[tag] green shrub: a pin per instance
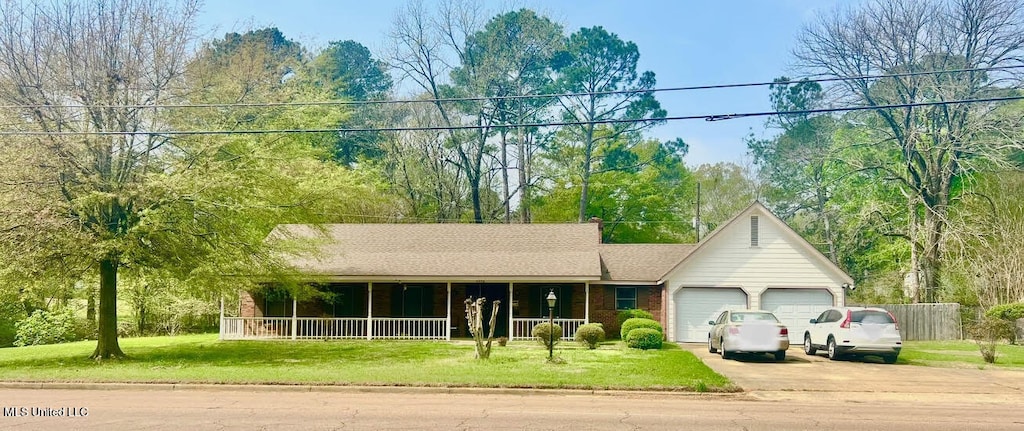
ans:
(637, 322)
(590, 334)
(644, 338)
(45, 327)
(543, 334)
(625, 315)
(987, 332)
(1009, 312)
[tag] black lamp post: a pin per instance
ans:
(551, 324)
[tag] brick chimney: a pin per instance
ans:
(600, 228)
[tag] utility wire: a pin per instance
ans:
(513, 97)
(706, 117)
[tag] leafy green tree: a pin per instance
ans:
(726, 189)
(930, 148)
(647, 202)
(111, 192)
(802, 166)
(601, 69)
(511, 58)
(347, 70)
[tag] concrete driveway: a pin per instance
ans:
(816, 376)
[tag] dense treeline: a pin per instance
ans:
(917, 204)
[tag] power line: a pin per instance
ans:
(513, 97)
(706, 117)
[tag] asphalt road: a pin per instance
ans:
(399, 409)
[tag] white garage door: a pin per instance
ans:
(794, 307)
(695, 306)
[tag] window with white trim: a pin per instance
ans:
(625, 298)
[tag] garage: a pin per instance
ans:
(794, 307)
(695, 306)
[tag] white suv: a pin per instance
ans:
(854, 331)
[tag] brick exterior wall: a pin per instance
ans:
(602, 305)
(247, 304)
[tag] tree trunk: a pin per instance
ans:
(833, 255)
(931, 259)
(90, 306)
(504, 177)
(106, 340)
(524, 178)
(588, 153)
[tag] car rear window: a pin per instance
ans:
(748, 317)
(871, 316)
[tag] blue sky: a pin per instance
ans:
(684, 42)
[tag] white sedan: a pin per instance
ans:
(748, 331)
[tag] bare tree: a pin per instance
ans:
(427, 48)
(475, 318)
(422, 167)
(929, 147)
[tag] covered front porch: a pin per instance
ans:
(403, 310)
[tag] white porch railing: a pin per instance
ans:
(410, 328)
(522, 328)
(237, 328)
(309, 328)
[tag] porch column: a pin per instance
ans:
(221, 336)
(511, 328)
(448, 322)
(369, 311)
(295, 321)
(586, 304)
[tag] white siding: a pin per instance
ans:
(781, 260)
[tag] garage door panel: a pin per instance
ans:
(794, 307)
(695, 306)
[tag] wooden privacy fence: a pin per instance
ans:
(927, 321)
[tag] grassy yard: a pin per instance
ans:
(958, 354)
(204, 359)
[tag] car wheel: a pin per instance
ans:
(889, 359)
(711, 347)
(725, 353)
(808, 347)
(833, 353)
(780, 355)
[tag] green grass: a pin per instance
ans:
(958, 354)
(204, 359)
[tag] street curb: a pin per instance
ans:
(360, 389)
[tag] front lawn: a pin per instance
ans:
(958, 354)
(204, 359)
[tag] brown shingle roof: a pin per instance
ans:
(640, 262)
(485, 251)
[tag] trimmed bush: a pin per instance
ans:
(542, 332)
(44, 327)
(644, 338)
(625, 315)
(1009, 312)
(590, 334)
(638, 322)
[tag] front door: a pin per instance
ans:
(492, 292)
